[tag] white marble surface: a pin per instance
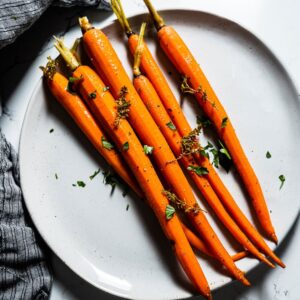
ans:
(276, 22)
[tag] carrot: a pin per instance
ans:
(150, 68)
(199, 245)
(108, 65)
(161, 117)
(103, 105)
(58, 85)
(181, 57)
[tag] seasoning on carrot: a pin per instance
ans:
(181, 57)
(108, 65)
(161, 117)
(79, 112)
(104, 108)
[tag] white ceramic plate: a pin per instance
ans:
(124, 251)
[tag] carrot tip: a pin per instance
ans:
(267, 262)
(274, 238)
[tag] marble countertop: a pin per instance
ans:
(277, 24)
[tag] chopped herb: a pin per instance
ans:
(268, 154)
(204, 153)
(93, 95)
(170, 211)
(55, 175)
(148, 149)
(51, 130)
(216, 158)
(95, 174)
(73, 184)
(125, 146)
(107, 145)
(127, 207)
(224, 122)
(81, 183)
(282, 179)
(203, 121)
(106, 88)
(122, 106)
(171, 126)
(110, 179)
(209, 145)
(70, 86)
(224, 151)
(199, 170)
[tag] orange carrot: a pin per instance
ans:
(103, 105)
(161, 117)
(150, 68)
(181, 57)
(58, 85)
(199, 245)
(108, 65)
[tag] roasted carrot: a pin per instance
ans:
(151, 69)
(199, 245)
(108, 65)
(161, 117)
(182, 58)
(58, 85)
(103, 105)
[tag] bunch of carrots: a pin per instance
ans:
(140, 130)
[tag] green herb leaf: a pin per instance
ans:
(224, 151)
(224, 122)
(106, 88)
(51, 130)
(125, 146)
(203, 121)
(216, 158)
(93, 95)
(204, 153)
(70, 86)
(171, 126)
(170, 211)
(127, 207)
(56, 176)
(282, 179)
(94, 174)
(209, 145)
(200, 171)
(81, 183)
(107, 145)
(73, 184)
(148, 149)
(111, 179)
(268, 154)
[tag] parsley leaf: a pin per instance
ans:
(51, 130)
(224, 151)
(125, 146)
(81, 183)
(107, 145)
(171, 126)
(93, 95)
(216, 159)
(224, 122)
(127, 207)
(56, 176)
(282, 179)
(203, 121)
(148, 149)
(110, 179)
(95, 174)
(170, 211)
(198, 170)
(268, 154)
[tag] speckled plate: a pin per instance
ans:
(114, 242)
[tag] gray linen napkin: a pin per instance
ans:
(18, 16)
(24, 274)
